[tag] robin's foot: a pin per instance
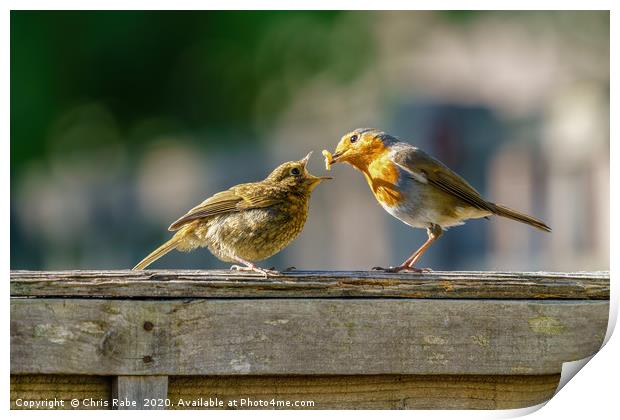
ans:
(263, 271)
(400, 268)
(289, 269)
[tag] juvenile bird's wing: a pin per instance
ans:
(238, 198)
(426, 169)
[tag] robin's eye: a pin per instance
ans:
(353, 138)
(295, 171)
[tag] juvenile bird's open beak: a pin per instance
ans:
(313, 181)
(305, 160)
(316, 179)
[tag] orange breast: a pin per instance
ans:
(382, 177)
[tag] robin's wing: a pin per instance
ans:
(236, 199)
(426, 169)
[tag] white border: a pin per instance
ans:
(593, 393)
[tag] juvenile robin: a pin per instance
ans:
(248, 222)
(415, 188)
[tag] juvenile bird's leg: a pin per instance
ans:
(250, 266)
(434, 232)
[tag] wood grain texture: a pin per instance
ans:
(326, 392)
(310, 284)
(134, 390)
(366, 391)
(302, 336)
(62, 388)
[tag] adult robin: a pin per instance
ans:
(248, 222)
(416, 188)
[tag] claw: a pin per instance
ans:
(263, 271)
(268, 273)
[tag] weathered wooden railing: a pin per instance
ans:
(305, 339)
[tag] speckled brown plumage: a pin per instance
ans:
(248, 222)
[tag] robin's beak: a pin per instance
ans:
(335, 157)
(340, 154)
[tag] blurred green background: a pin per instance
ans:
(122, 121)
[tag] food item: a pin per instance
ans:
(328, 159)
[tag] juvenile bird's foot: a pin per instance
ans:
(250, 266)
(400, 268)
(254, 268)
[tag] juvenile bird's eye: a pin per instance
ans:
(353, 138)
(295, 171)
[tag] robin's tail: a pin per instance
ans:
(503, 211)
(159, 252)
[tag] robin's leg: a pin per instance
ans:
(250, 266)
(434, 232)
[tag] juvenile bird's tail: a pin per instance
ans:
(159, 252)
(504, 211)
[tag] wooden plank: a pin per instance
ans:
(325, 392)
(302, 336)
(383, 392)
(57, 392)
(310, 284)
(140, 392)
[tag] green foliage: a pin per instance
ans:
(195, 70)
